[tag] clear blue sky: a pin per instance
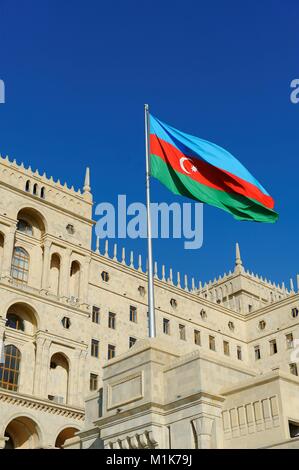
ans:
(77, 74)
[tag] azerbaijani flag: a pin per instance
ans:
(201, 170)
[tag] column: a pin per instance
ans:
(81, 379)
(204, 429)
(38, 364)
(3, 442)
(65, 273)
(45, 368)
(2, 327)
(9, 242)
(46, 265)
(72, 398)
(26, 384)
(84, 280)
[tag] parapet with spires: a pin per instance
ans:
(243, 290)
(234, 290)
(46, 188)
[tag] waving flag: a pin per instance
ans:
(201, 170)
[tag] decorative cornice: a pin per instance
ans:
(13, 398)
(41, 295)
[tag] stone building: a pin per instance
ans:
(75, 367)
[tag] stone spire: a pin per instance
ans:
(292, 285)
(238, 263)
(86, 187)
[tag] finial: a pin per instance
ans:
(155, 270)
(186, 282)
(98, 245)
(86, 187)
(106, 248)
(163, 273)
(238, 262)
(115, 252)
(131, 259)
(292, 285)
(178, 279)
(139, 263)
(283, 287)
(123, 256)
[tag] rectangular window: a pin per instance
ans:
(111, 351)
(132, 341)
(95, 348)
(112, 320)
(182, 330)
(93, 382)
(257, 352)
(197, 337)
(95, 314)
(133, 314)
(239, 353)
(294, 368)
(249, 308)
(212, 343)
(166, 326)
(226, 348)
(273, 346)
(290, 340)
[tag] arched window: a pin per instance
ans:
(58, 378)
(31, 222)
(35, 189)
(75, 279)
(22, 317)
(42, 193)
(14, 321)
(24, 226)
(20, 265)
(27, 186)
(10, 370)
(55, 274)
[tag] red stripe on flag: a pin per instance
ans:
(205, 173)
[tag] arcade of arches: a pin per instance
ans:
(24, 433)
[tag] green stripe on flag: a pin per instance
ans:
(241, 207)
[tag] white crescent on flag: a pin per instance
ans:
(182, 160)
(193, 168)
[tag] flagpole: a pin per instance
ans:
(151, 301)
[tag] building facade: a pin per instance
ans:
(69, 314)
